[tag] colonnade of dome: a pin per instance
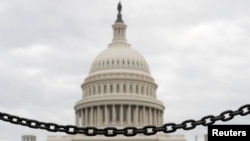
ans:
(119, 115)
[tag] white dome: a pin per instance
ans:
(119, 56)
(119, 91)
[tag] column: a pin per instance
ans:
(108, 88)
(136, 115)
(76, 120)
(157, 117)
(91, 115)
(102, 88)
(144, 114)
(98, 115)
(154, 92)
(127, 88)
(114, 88)
(161, 118)
(154, 114)
(140, 115)
(106, 114)
(129, 114)
(83, 117)
(101, 114)
(139, 89)
(150, 115)
(80, 117)
(113, 114)
(121, 88)
(133, 88)
(121, 114)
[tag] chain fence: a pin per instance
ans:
(127, 131)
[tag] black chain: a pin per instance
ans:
(127, 131)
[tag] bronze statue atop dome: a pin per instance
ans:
(119, 16)
(119, 7)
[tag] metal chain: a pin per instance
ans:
(127, 131)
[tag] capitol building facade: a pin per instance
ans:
(119, 92)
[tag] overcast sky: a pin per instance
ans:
(198, 52)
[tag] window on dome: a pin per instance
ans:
(111, 88)
(136, 89)
(131, 88)
(124, 88)
(118, 88)
(105, 88)
(99, 89)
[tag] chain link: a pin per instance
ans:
(127, 131)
